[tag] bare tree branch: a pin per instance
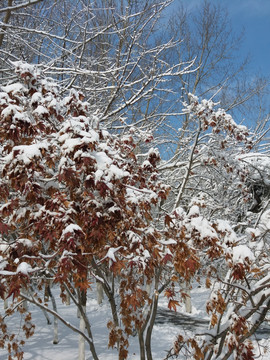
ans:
(10, 8)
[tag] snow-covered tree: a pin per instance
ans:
(80, 205)
(222, 177)
(83, 200)
(77, 206)
(104, 48)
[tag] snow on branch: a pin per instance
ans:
(20, 6)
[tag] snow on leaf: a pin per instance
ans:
(26, 153)
(103, 160)
(168, 242)
(194, 211)
(24, 268)
(10, 110)
(14, 88)
(41, 110)
(26, 242)
(203, 227)
(98, 175)
(71, 228)
(111, 252)
(241, 253)
(116, 172)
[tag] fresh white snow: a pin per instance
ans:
(40, 346)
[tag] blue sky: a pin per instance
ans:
(254, 17)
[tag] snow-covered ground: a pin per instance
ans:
(41, 347)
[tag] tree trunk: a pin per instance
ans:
(47, 317)
(5, 302)
(188, 305)
(25, 304)
(46, 292)
(141, 343)
(153, 314)
(150, 327)
(88, 338)
(81, 340)
(68, 300)
(109, 291)
(5, 22)
(82, 327)
(55, 321)
(100, 295)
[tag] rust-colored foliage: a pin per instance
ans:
(78, 205)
